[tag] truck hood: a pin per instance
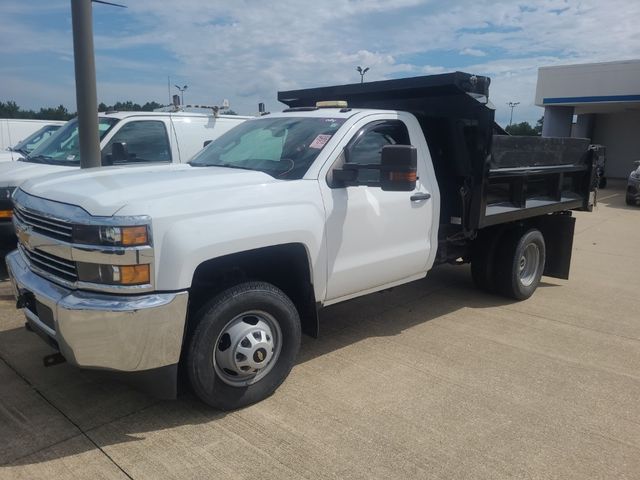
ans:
(14, 174)
(105, 191)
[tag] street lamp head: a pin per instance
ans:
(365, 70)
(359, 69)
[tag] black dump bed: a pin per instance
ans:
(485, 178)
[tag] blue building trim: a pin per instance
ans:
(598, 98)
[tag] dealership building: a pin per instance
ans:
(600, 101)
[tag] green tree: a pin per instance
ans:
(521, 129)
(58, 113)
(538, 127)
(129, 106)
(9, 109)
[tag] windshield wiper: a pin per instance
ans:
(46, 159)
(224, 165)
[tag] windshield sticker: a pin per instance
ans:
(320, 141)
(71, 157)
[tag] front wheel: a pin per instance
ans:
(520, 264)
(244, 345)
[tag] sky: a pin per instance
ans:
(247, 50)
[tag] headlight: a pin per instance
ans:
(114, 274)
(114, 236)
(6, 192)
(6, 207)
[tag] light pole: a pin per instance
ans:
(512, 105)
(181, 90)
(85, 72)
(362, 71)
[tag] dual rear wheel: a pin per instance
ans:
(510, 265)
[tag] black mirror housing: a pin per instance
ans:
(345, 176)
(206, 142)
(119, 152)
(399, 168)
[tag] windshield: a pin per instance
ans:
(36, 138)
(63, 147)
(281, 147)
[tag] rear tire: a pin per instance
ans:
(244, 345)
(520, 264)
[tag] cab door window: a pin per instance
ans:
(366, 147)
(146, 141)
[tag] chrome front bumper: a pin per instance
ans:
(129, 333)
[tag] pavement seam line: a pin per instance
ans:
(35, 452)
(82, 432)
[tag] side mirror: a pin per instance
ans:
(206, 142)
(399, 168)
(119, 152)
(345, 176)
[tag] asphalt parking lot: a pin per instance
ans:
(430, 380)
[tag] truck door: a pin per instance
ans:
(375, 238)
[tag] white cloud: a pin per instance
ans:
(473, 52)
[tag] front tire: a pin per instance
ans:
(244, 345)
(520, 264)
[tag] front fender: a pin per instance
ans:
(186, 243)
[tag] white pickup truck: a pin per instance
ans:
(126, 139)
(220, 264)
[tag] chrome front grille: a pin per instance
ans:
(59, 267)
(45, 225)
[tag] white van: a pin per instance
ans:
(29, 144)
(14, 130)
(126, 138)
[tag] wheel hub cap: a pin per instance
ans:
(528, 264)
(247, 348)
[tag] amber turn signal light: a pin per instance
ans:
(134, 274)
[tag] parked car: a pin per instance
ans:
(26, 146)
(633, 186)
(126, 139)
(14, 130)
(221, 263)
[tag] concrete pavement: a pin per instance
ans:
(430, 380)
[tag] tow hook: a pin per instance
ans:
(53, 359)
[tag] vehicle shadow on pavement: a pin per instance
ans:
(99, 411)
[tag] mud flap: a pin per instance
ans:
(558, 231)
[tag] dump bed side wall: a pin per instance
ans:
(531, 176)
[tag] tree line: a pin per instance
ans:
(11, 109)
(525, 129)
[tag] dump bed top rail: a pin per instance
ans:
(408, 94)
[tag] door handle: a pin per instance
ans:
(418, 197)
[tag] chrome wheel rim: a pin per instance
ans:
(529, 264)
(247, 348)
